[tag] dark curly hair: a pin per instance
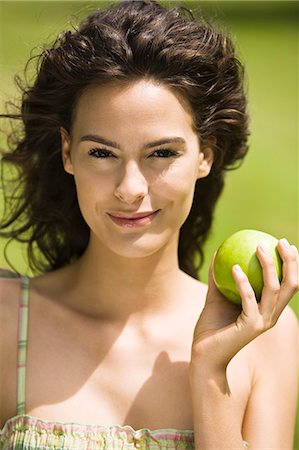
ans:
(129, 40)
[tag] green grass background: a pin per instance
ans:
(263, 193)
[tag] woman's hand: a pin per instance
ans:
(224, 328)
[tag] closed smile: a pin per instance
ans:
(133, 220)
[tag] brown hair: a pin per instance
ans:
(128, 40)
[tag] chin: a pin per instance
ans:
(136, 251)
(141, 247)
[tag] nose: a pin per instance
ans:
(133, 185)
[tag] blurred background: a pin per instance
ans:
(261, 194)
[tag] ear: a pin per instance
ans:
(66, 151)
(205, 163)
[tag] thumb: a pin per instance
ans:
(215, 297)
(212, 288)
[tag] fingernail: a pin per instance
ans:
(264, 247)
(237, 268)
(285, 242)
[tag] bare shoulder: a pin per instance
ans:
(195, 288)
(285, 328)
(10, 291)
(10, 287)
(279, 345)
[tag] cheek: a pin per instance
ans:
(92, 189)
(176, 192)
(89, 180)
(178, 182)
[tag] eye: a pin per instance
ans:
(100, 153)
(164, 153)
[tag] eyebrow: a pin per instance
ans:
(101, 140)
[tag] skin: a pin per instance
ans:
(116, 314)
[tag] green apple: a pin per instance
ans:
(240, 248)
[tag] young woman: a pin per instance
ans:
(126, 133)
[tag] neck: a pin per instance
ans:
(114, 286)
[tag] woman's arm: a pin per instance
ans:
(221, 332)
(9, 301)
(217, 415)
(270, 415)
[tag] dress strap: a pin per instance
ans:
(22, 346)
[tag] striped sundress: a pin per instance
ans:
(24, 432)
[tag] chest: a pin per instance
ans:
(95, 373)
(110, 375)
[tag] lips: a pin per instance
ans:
(133, 220)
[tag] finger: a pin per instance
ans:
(290, 267)
(212, 288)
(271, 284)
(249, 304)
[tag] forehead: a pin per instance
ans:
(130, 104)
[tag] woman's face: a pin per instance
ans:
(135, 158)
